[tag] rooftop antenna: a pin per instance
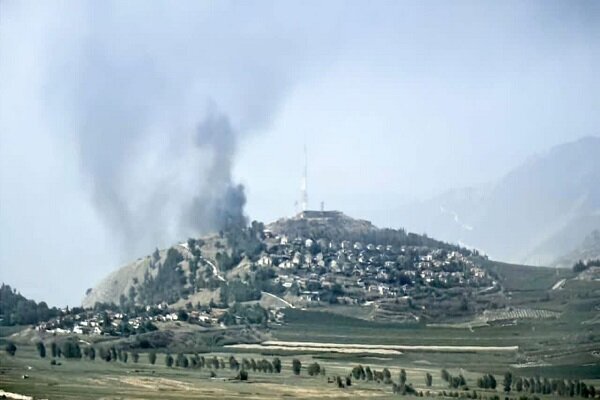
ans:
(303, 187)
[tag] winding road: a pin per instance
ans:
(189, 254)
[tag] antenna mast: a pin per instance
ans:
(303, 187)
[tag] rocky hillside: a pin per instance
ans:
(117, 283)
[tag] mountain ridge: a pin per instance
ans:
(537, 212)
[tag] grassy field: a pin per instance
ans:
(564, 344)
(543, 351)
(526, 278)
(84, 379)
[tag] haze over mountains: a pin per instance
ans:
(537, 213)
(544, 212)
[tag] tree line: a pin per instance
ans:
(16, 309)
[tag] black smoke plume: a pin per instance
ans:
(221, 204)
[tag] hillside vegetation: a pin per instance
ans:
(16, 309)
(315, 258)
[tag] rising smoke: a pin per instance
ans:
(159, 99)
(221, 203)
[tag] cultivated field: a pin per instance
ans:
(554, 335)
(84, 379)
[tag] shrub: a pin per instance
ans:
(314, 369)
(70, 349)
(11, 349)
(296, 366)
(243, 375)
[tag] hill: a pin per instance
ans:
(536, 213)
(314, 258)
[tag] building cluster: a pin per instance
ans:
(110, 322)
(313, 267)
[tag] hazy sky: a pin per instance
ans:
(101, 105)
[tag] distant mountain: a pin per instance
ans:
(538, 212)
(589, 249)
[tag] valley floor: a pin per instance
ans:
(85, 379)
(115, 380)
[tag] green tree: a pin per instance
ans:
(507, 382)
(105, 354)
(445, 376)
(402, 377)
(182, 361)
(152, 357)
(233, 363)
(369, 373)
(135, 356)
(387, 376)
(428, 379)
(277, 365)
(182, 315)
(358, 372)
(296, 366)
(41, 349)
(10, 349)
(54, 349)
(169, 360)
